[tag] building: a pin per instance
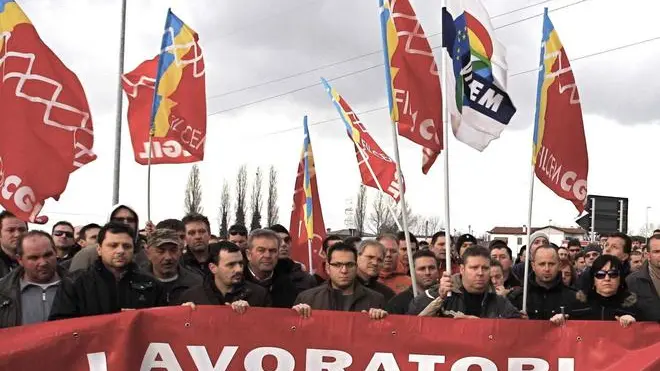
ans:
(345, 233)
(516, 237)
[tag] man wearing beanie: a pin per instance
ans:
(538, 239)
(463, 242)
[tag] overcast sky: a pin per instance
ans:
(248, 43)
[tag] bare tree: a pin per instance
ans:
(427, 226)
(225, 205)
(361, 209)
(256, 200)
(241, 193)
(381, 219)
(413, 219)
(272, 210)
(193, 199)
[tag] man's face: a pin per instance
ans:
(475, 273)
(197, 236)
(90, 237)
(426, 272)
(263, 254)
(566, 275)
(285, 247)
(538, 241)
(603, 241)
(11, 230)
(654, 253)
(38, 260)
(636, 262)
(391, 255)
(614, 246)
(125, 216)
(573, 250)
(439, 248)
(590, 257)
(371, 261)
(116, 251)
(164, 259)
(229, 270)
(502, 255)
(636, 245)
(464, 247)
(563, 254)
(546, 265)
(239, 239)
(580, 264)
(342, 269)
(496, 276)
(63, 236)
(403, 252)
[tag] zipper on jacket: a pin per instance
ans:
(43, 305)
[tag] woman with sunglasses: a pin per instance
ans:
(607, 298)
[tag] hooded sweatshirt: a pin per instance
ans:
(139, 255)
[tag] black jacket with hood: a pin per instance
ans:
(282, 286)
(208, 294)
(139, 255)
(543, 303)
(648, 301)
(598, 308)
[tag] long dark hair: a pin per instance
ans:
(599, 263)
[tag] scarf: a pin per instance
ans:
(655, 278)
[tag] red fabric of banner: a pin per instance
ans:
(270, 339)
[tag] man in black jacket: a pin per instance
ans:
(198, 234)
(226, 285)
(11, 229)
(300, 277)
(426, 275)
(645, 282)
(112, 284)
(164, 248)
(264, 270)
(546, 293)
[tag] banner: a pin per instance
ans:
(560, 159)
(139, 88)
(46, 128)
(215, 338)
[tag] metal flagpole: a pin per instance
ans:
(445, 127)
(529, 236)
(309, 252)
(151, 136)
(122, 39)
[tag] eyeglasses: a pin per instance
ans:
(124, 220)
(338, 265)
(234, 233)
(612, 273)
(63, 233)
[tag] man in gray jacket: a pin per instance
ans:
(472, 295)
(27, 293)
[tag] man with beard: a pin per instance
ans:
(27, 293)
(226, 285)
(164, 250)
(342, 292)
(369, 264)
(113, 284)
(11, 229)
(426, 274)
(198, 234)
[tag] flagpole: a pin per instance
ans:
(529, 236)
(151, 136)
(445, 127)
(309, 252)
(122, 41)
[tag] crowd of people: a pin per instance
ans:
(101, 269)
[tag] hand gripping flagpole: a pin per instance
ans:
(384, 17)
(445, 127)
(117, 166)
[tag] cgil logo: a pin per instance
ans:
(21, 195)
(160, 356)
(170, 149)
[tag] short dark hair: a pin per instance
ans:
(606, 235)
(580, 255)
(636, 253)
(574, 242)
(238, 229)
(5, 215)
(332, 237)
(424, 254)
(194, 218)
(115, 228)
(353, 240)
(597, 265)
(279, 228)
(341, 246)
(401, 236)
(83, 231)
(33, 233)
(499, 245)
(65, 223)
(495, 263)
(437, 235)
(475, 251)
(653, 237)
(173, 224)
(423, 243)
(627, 245)
(216, 248)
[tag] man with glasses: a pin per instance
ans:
(123, 214)
(342, 292)
(591, 253)
(65, 245)
(574, 247)
(238, 235)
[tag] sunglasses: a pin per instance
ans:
(592, 255)
(234, 233)
(124, 220)
(63, 233)
(612, 273)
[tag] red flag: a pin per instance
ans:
(139, 88)
(415, 94)
(45, 123)
(560, 149)
(377, 169)
(299, 222)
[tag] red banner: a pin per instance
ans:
(139, 88)
(215, 338)
(46, 128)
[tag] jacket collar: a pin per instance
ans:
(458, 288)
(101, 268)
(358, 290)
